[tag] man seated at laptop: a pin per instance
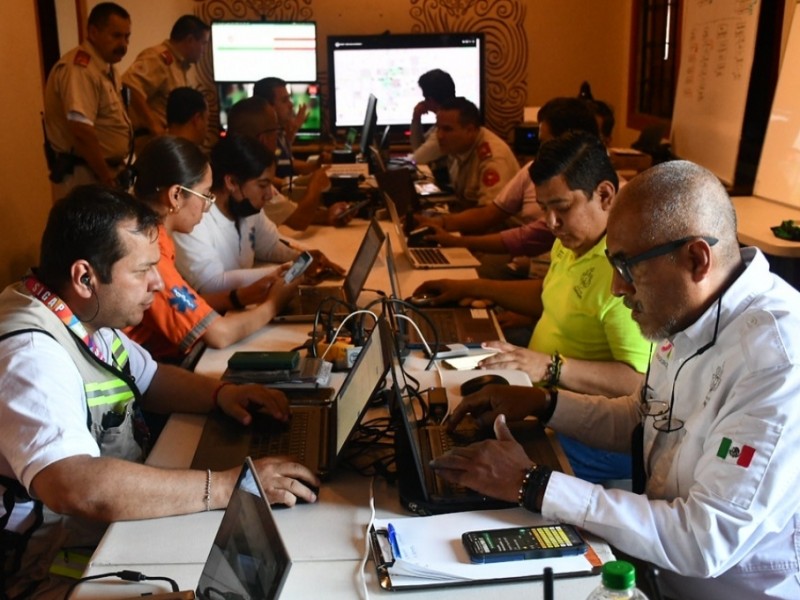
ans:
(437, 87)
(717, 418)
(585, 339)
(187, 115)
(255, 117)
(73, 385)
(480, 163)
(235, 244)
(517, 199)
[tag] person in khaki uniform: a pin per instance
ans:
(86, 123)
(479, 162)
(160, 69)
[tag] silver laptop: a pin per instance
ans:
(341, 299)
(430, 258)
(314, 436)
(248, 558)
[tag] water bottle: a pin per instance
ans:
(618, 581)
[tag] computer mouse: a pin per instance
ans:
(422, 299)
(470, 386)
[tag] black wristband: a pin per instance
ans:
(551, 408)
(234, 298)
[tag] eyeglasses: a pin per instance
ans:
(209, 199)
(623, 265)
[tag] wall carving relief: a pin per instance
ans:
(502, 22)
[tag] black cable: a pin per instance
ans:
(125, 575)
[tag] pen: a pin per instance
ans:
(393, 540)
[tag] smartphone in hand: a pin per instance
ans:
(299, 266)
(520, 543)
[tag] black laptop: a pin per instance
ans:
(419, 441)
(341, 299)
(316, 432)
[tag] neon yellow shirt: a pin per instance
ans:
(581, 318)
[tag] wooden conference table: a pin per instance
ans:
(326, 540)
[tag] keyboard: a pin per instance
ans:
(279, 440)
(429, 256)
(348, 170)
(443, 321)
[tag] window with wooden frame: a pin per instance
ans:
(655, 49)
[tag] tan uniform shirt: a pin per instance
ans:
(155, 73)
(83, 83)
(479, 174)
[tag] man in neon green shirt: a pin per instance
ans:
(585, 339)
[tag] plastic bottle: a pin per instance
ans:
(618, 581)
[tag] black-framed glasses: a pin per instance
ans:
(623, 265)
(208, 198)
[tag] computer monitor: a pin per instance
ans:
(301, 93)
(389, 67)
(252, 50)
(369, 128)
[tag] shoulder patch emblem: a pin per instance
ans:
(82, 58)
(490, 177)
(182, 299)
(166, 56)
(484, 151)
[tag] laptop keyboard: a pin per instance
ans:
(445, 324)
(279, 440)
(429, 256)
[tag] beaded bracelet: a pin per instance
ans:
(207, 496)
(554, 369)
(533, 484)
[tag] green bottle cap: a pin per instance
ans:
(619, 575)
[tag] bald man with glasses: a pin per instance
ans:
(715, 424)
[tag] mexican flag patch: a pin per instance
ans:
(730, 451)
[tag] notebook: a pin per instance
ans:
(418, 442)
(248, 558)
(303, 307)
(430, 258)
(316, 433)
(453, 325)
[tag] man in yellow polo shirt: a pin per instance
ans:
(585, 339)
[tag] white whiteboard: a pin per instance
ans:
(717, 48)
(778, 175)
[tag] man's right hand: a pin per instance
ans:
(286, 482)
(514, 401)
(444, 291)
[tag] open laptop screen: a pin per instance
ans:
(248, 558)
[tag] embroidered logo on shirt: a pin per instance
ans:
(490, 177)
(182, 299)
(166, 56)
(666, 350)
(252, 238)
(484, 151)
(716, 379)
(585, 282)
(730, 451)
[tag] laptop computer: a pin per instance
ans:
(304, 306)
(430, 258)
(316, 433)
(417, 442)
(248, 558)
(452, 324)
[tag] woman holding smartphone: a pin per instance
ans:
(174, 178)
(236, 244)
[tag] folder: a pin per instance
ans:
(422, 552)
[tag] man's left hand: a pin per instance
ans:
(535, 364)
(491, 467)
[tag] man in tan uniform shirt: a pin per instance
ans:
(85, 117)
(159, 70)
(479, 162)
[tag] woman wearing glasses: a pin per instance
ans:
(174, 178)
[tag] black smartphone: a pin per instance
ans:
(264, 361)
(520, 543)
(353, 208)
(299, 266)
